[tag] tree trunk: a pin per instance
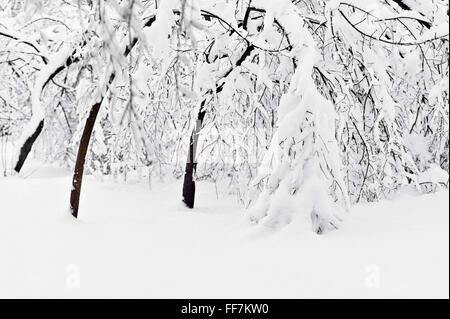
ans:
(191, 164)
(31, 139)
(81, 158)
(27, 145)
(86, 137)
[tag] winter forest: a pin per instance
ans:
(138, 135)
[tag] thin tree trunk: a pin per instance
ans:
(27, 145)
(81, 158)
(86, 137)
(191, 163)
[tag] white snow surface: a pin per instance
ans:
(130, 242)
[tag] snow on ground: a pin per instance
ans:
(133, 242)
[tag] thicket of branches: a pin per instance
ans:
(302, 106)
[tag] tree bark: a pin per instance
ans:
(29, 142)
(26, 147)
(86, 137)
(191, 164)
(81, 158)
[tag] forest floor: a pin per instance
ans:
(131, 242)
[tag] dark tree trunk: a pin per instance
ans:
(84, 145)
(29, 142)
(81, 158)
(189, 185)
(191, 164)
(86, 137)
(26, 147)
